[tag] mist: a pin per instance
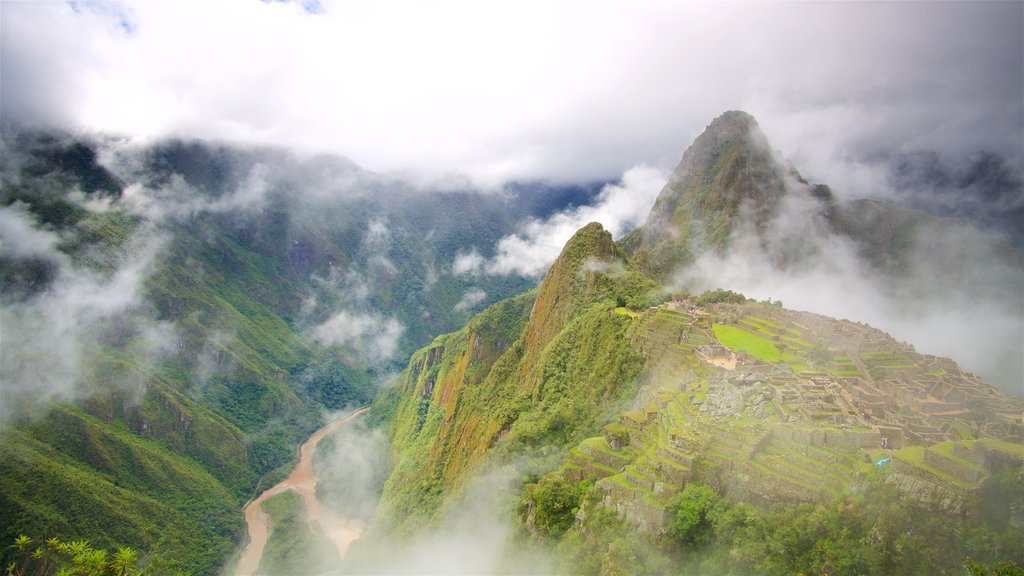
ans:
(619, 207)
(476, 533)
(455, 87)
(52, 334)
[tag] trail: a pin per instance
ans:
(303, 482)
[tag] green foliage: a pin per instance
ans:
(550, 505)
(819, 354)
(690, 514)
(605, 544)
(70, 558)
(587, 365)
(881, 532)
(336, 384)
(719, 295)
(86, 479)
(1001, 569)
(759, 346)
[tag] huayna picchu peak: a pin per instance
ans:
(728, 174)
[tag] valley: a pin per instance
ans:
(615, 395)
(301, 480)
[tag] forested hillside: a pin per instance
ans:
(702, 434)
(178, 316)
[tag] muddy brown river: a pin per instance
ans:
(302, 481)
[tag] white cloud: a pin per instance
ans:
(48, 341)
(373, 335)
(526, 89)
(471, 298)
(619, 208)
(19, 237)
(468, 262)
(474, 535)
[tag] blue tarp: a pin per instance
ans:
(881, 462)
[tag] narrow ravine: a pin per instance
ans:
(302, 481)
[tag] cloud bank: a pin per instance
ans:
(577, 91)
(373, 335)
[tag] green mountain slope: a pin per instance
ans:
(194, 308)
(535, 372)
(627, 418)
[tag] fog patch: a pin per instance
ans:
(351, 466)
(470, 300)
(176, 200)
(475, 535)
(618, 207)
(20, 238)
(372, 334)
(955, 299)
(53, 340)
(468, 263)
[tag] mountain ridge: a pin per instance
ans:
(763, 404)
(230, 349)
(757, 403)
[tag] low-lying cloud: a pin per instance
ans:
(474, 536)
(470, 300)
(374, 335)
(453, 87)
(619, 208)
(954, 299)
(50, 339)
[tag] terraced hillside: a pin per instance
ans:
(767, 404)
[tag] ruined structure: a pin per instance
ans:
(802, 407)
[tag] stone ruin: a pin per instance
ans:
(765, 432)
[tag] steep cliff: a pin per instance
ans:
(535, 371)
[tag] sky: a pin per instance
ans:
(524, 90)
(486, 93)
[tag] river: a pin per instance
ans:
(303, 481)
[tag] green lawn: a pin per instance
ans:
(1008, 447)
(740, 339)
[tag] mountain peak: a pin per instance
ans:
(730, 165)
(729, 142)
(572, 280)
(732, 125)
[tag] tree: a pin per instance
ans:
(1001, 569)
(691, 512)
(69, 558)
(555, 504)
